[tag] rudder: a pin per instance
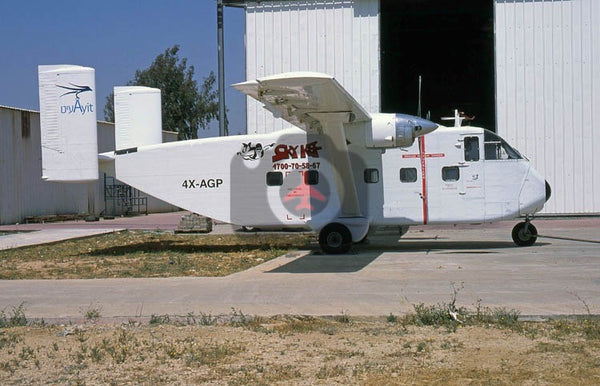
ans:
(68, 123)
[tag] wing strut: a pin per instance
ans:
(333, 126)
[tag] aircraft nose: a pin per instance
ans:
(548, 191)
(533, 192)
(423, 126)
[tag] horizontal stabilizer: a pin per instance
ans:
(68, 123)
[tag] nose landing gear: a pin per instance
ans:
(524, 234)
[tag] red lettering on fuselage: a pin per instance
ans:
(291, 151)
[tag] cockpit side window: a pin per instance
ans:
(498, 149)
(471, 149)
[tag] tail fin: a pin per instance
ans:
(138, 119)
(68, 123)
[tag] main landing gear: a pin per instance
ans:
(524, 234)
(335, 239)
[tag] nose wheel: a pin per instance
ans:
(524, 234)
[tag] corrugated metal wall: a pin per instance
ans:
(548, 93)
(340, 38)
(22, 190)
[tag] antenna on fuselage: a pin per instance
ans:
(458, 117)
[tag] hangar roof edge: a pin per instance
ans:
(242, 3)
(18, 109)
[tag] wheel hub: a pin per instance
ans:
(334, 239)
(524, 235)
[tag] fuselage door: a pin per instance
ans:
(455, 176)
(403, 199)
(472, 169)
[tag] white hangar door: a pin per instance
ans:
(340, 38)
(548, 94)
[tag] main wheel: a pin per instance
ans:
(335, 239)
(403, 230)
(524, 234)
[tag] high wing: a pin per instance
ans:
(297, 96)
(315, 102)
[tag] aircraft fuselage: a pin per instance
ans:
(452, 175)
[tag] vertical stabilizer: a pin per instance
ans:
(68, 123)
(138, 119)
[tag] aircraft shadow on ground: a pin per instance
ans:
(417, 245)
(321, 263)
(175, 247)
(363, 255)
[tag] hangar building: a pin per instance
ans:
(24, 194)
(527, 69)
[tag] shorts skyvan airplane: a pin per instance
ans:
(339, 170)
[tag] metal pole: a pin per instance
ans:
(91, 216)
(220, 46)
(419, 105)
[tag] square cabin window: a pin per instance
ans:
(450, 173)
(371, 176)
(471, 149)
(274, 178)
(311, 177)
(408, 174)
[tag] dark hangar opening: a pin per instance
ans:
(451, 45)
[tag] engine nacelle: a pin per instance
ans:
(396, 130)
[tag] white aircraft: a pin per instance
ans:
(340, 170)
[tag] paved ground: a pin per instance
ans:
(559, 275)
(20, 235)
(26, 238)
(154, 221)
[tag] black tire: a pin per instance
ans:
(403, 229)
(524, 235)
(335, 239)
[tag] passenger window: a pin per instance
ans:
(450, 173)
(311, 177)
(274, 178)
(408, 174)
(471, 148)
(371, 176)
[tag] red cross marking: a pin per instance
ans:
(423, 156)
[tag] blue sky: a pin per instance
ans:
(117, 38)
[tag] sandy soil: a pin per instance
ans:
(299, 350)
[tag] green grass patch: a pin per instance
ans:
(14, 318)
(147, 254)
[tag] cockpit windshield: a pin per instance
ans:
(498, 149)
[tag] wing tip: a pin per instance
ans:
(244, 85)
